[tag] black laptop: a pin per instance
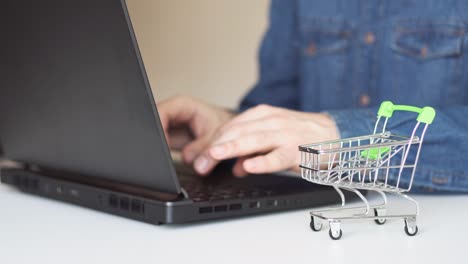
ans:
(77, 113)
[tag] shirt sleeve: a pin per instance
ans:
(278, 58)
(442, 163)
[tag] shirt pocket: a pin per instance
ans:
(428, 60)
(321, 36)
(325, 59)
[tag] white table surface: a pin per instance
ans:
(38, 230)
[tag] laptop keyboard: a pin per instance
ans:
(199, 193)
(204, 190)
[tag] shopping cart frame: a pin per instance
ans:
(354, 164)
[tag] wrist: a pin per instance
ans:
(327, 125)
(330, 126)
(353, 122)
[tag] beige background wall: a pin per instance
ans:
(204, 48)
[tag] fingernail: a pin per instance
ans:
(201, 164)
(218, 151)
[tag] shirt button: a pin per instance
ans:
(424, 51)
(311, 49)
(364, 100)
(369, 38)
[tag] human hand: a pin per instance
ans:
(265, 139)
(190, 124)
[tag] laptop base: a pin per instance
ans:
(153, 210)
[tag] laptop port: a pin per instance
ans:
(234, 207)
(255, 204)
(270, 203)
(220, 208)
(59, 189)
(74, 193)
(205, 210)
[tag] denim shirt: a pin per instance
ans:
(345, 57)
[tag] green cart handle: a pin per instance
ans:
(426, 114)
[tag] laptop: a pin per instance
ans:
(78, 116)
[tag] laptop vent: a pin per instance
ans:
(126, 204)
(219, 208)
(26, 183)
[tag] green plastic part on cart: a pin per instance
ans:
(375, 153)
(426, 114)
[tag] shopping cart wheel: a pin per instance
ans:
(411, 228)
(379, 212)
(335, 230)
(411, 231)
(335, 235)
(315, 224)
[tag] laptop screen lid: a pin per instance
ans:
(74, 95)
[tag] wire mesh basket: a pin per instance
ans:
(381, 162)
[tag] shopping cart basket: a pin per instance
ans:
(381, 162)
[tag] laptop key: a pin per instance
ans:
(241, 195)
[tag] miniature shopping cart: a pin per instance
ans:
(381, 162)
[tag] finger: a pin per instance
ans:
(251, 144)
(271, 123)
(238, 168)
(169, 111)
(180, 137)
(175, 111)
(204, 164)
(194, 148)
(260, 141)
(253, 113)
(274, 161)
